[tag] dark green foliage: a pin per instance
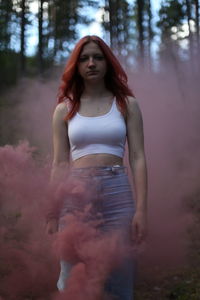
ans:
(192, 205)
(9, 60)
(171, 14)
(6, 13)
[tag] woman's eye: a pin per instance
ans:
(99, 57)
(83, 58)
(96, 57)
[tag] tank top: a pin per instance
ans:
(101, 134)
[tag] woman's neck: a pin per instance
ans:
(95, 90)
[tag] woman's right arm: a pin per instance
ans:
(61, 146)
(60, 163)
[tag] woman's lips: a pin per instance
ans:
(92, 72)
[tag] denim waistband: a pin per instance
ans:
(99, 171)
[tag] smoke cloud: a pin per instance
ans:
(29, 257)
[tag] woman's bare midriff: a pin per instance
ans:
(97, 160)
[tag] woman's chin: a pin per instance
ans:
(93, 79)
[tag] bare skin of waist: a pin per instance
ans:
(97, 160)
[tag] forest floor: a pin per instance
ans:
(179, 281)
(182, 284)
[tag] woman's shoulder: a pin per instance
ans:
(132, 104)
(60, 111)
(61, 108)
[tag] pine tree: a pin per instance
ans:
(6, 12)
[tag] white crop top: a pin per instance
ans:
(101, 134)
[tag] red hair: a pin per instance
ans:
(115, 79)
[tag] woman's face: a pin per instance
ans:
(92, 65)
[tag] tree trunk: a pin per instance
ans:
(150, 31)
(111, 23)
(140, 26)
(22, 37)
(197, 19)
(40, 33)
(188, 6)
(191, 45)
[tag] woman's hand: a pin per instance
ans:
(52, 226)
(139, 227)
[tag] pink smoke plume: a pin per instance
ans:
(29, 257)
(29, 262)
(93, 255)
(27, 267)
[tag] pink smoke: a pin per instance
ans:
(93, 255)
(25, 252)
(29, 263)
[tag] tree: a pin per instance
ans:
(21, 13)
(22, 36)
(8, 56)
(65, 20)
(24, 5)
(171, 14)
(192, 9)
(149, 30)
(172, 17)
(145, 34)
(196, 2)
(60, 26)
(117, 21)
(189, 19)
(6, 12)
(40, 35)
(140, 26)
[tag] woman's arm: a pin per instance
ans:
(137, 162)
(60, 142)
(60, 160)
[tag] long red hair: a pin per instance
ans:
(72, 85)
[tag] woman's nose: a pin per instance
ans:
(91, 62)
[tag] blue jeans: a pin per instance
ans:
(111, 196)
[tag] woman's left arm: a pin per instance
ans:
(138, 167)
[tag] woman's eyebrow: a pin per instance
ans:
(95, 53)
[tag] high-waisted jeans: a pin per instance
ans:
(112, 197)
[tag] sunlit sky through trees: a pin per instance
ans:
(93, 28)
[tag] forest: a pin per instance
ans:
(158, 44)
(137, 33)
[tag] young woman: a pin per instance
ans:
(97, 112)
